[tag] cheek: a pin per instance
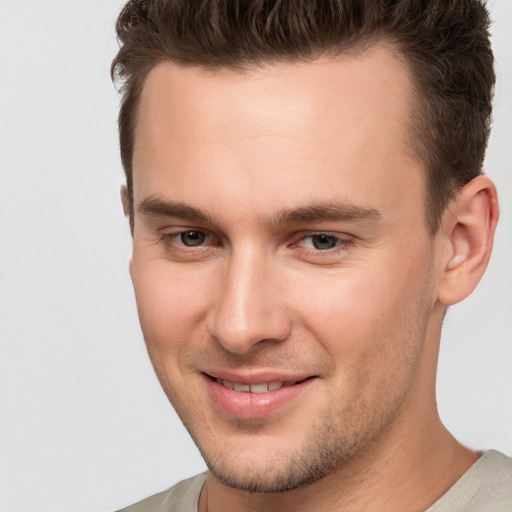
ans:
(171, 303)
(373, 329)
(365, 313)
(346, 303)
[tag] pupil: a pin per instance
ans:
(324, 242)
(192, 238)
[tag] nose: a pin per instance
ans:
(250, 306)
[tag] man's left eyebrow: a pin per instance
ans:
(325, 212)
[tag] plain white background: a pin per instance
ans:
(84, 425)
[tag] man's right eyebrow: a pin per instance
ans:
(152, 207)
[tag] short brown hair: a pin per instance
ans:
(445, 43)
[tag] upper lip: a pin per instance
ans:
(256, 377)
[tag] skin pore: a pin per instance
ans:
(280, 240)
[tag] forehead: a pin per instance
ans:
(309, 124)
(351, 83)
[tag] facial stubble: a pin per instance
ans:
(342, 436)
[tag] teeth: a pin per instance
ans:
(254, 388)
(259, 388)
(227, 384)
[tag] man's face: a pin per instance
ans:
(282, 266)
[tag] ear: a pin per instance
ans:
(125, 201)
(126, 210)
(467, 234)
(127, 206)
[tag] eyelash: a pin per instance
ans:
(169, 240)
(341, 243)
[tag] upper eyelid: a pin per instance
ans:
(341, 236)
(335, 234)
(177, 230)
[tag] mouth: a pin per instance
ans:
(255, 397)
(261, 387)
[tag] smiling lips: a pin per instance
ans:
(254, 400)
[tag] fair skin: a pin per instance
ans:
(280, 243)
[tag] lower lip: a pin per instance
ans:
(253, 406)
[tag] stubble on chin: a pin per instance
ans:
(320, 455)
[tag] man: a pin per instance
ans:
(305, 192)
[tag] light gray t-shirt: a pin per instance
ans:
(485, 487)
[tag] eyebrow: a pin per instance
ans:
(325, 212)
(319, 212)
(152, 207)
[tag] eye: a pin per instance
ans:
(188, 244)
(321, 241)
(191, 238)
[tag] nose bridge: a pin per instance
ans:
(248, 306)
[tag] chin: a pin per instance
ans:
(271, 481)
(276, 470)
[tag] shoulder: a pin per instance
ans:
(485, 487)
(182, 497)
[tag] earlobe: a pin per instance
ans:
(467, 231)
